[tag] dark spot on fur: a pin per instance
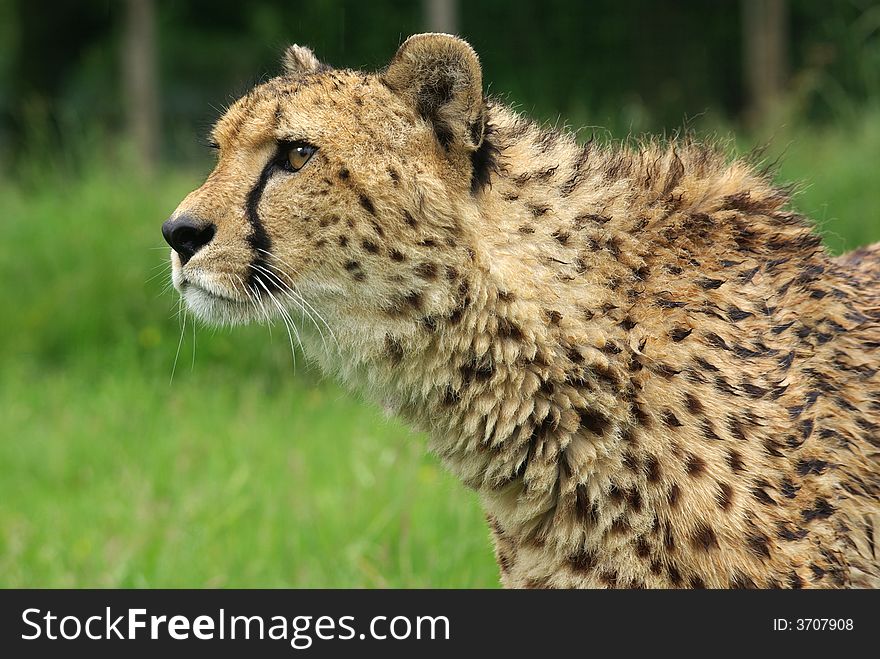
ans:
(414, 299)
(704, 538)
(507, 329)
(787, 533)
(736, 314)
(709, 431)
(735, 461)
(538, 209)
(561, 237)
(370, 246)
(742, 581)
(665, 370)
(450, 397)
(759, 492)
(724, 497)
(479, 370)
(634, 499)
(811, 466)
(680, 334)
(673, 495)
(367, 203)
(484, 161)
(609, 578)
(704, 365)
(759, 544)
(821, 509)
(593, 421)
(694, 406)
(631, 462)
(753, 390)
(588, 511)
(611, 348)
(716, 341)
(584, 561)
(619, 526)
(806, 428)
(652, 465)
(695, 466)
(697, 583)
(426, 271)
(789, 490)
(670, 419)
(641, 415)
(736, 428)
(615, 493)
(393, 349)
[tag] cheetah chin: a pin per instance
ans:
(639, 356)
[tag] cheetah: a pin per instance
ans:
(641, 359)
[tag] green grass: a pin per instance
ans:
(838, 176)
(240, 472)
(224, 479)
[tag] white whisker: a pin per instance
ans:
(307, 307)
(294, 296)
(285, 317)
(192, 366)
(180, 341)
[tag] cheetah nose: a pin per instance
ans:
(187, 235)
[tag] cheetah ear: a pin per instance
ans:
(440, 75)
(299, 60)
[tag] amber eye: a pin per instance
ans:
(299, 155)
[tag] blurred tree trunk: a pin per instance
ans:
(441, 16)
(765, 56)
(140, 81)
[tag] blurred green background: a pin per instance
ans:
(242, 471)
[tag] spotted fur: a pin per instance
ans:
(640, 357)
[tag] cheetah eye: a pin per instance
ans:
(298, 155)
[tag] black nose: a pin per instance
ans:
(187, 235)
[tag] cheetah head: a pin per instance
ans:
(340, 196)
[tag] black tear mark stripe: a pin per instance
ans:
(258, 239)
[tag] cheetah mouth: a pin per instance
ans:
(214, 304)
(212, 293)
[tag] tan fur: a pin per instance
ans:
(648, 367)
